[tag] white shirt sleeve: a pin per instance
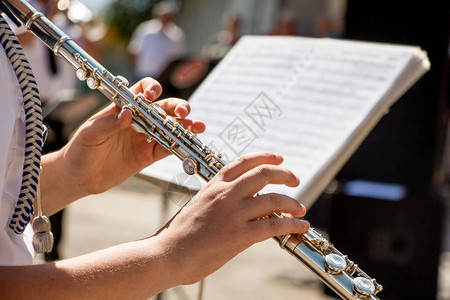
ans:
(14, 249)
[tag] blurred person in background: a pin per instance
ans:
(157, 42)
(183, 75)
(219, 44)
(286, 25)
(326, 26)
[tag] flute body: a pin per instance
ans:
(335, 269)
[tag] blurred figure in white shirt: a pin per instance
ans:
(157, 42)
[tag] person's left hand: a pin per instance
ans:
(106, 150)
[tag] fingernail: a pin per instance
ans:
(120, 114)
(154, 94)
(185, 110)
(305, 224)
(185, 106)
(279, 156)
(151, 94)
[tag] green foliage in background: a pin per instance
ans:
(125, 15)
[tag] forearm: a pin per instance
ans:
(57, 190)
(135, 270)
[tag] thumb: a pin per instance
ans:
(101, 128)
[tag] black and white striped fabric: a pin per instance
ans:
(33, 127)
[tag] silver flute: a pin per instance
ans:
(320, 256)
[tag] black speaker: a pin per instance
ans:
(396, 242)
(406, 146)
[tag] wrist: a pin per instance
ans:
(162, 263)
(181, 260)
(57, 189)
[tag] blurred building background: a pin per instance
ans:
(200, 18)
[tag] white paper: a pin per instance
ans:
(311, 100)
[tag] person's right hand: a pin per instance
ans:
(223, 219)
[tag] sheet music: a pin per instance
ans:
(311, 100)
